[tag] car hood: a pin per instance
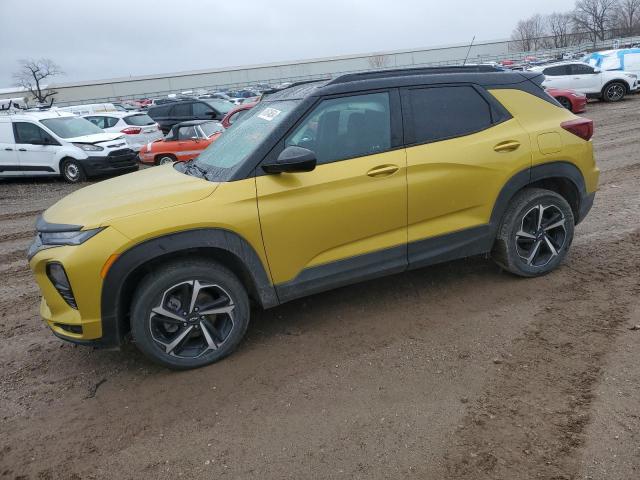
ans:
(148, 190)
(95, 138)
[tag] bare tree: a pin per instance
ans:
(594, 17)
(31, 75)
(378, 61)
(559, 28)
(528, 33)
(627, 17)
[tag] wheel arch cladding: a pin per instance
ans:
(563, 178)
(219, 245)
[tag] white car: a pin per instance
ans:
(138, 128)
(51, 142)
(611, 86)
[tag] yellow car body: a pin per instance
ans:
(291, 234)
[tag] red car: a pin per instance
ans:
(235, 113)
(184, 142)
(569, 99)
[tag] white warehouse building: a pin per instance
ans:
(231, 77)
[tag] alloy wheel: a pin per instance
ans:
(541, 236)
(193, 318)
(615, 92)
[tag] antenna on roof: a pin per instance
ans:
(469, 51)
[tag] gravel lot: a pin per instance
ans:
(457, 371)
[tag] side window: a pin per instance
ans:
(346, 127)
(201, 110)
(110, 122)
(186, 133)
(97, 121)
(557, 71)
(440, 113)
(579, 69)
(181, 110)
(29, 133)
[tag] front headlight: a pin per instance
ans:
(87, 147)
(68, 238)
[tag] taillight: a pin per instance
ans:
(131, 130)
(581, 127)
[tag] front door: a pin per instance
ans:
(36, 149)
(346, 220)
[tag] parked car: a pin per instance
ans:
(138, 128)
(184, 142)
(89, 108)
(569, 99)
(59, 143)
(319, 186)
(124, 107)
(237, 113)
(610, 86)
(181, 111)
(625, 59)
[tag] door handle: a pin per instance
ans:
(383, 170)
(8, 149)
(22, 149)
(508, 146)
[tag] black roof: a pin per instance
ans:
(484, 75)
(191, 123)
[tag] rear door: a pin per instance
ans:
(36, 148)
(558, 76)
(585, 78)
(462, 147)
(9, 164)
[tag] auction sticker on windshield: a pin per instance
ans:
(269, 114)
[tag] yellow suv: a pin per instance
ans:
(320, 185)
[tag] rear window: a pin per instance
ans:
(162, 111)
(211, 128)
(139, 120)
(439, 113)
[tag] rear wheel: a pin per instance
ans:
(614, 92)
(72, 171)
(189, 314)
(564, 101)
(164, 159)
(535, 234)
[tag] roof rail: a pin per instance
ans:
(296, 84)
(371, 75)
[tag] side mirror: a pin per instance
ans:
(292, 159)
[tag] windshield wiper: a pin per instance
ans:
(192, 168)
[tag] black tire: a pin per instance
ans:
(168, 290)
(519, 232)
(165, 158)
(614, 92)
(72, 171)
(565, 102)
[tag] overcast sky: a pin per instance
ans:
(97, 39)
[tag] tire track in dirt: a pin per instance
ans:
(531, 419)
(19, 215)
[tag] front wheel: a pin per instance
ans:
(189, 314)
(614, 92)
(535, 234)
(72, 171)
(165, 159)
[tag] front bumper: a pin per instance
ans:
(125, 160)
(82, 264)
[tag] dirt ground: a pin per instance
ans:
(458, 371)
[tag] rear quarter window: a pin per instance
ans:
(440, 113)
(139, 120)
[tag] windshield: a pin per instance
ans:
(211, 128)
(236, 144)
(71, 127)
(221, 106)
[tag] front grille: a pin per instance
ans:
(124, 157)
